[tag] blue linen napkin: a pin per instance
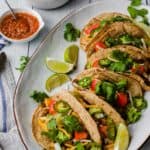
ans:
(9, 138)
(3, 42)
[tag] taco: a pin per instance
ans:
(96, 24)
(122, 92)
(106, 118)
(118, 33)
(62, 121)
(123, 59)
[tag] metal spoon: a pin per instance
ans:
(3, 59)
(11, 10)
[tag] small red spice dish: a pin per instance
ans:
(23, 29)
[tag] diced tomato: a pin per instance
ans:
(51, 107)
(138, 69)
(141, 69)
(103, 130)
(99, 45)
(133, 69)
(80, 135)
(122, 99)
(91, 28)
(93, 84)
(96, 63)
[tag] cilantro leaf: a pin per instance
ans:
(51, 124)
(136, 2)
(142, 12)
(50, 134)
(38, 96)
(71, 124)
(137, 12)
(133, 12)
(71, 33)
(23, 62)
(145, 21)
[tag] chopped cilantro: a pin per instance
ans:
(23, 62)
(38, 96)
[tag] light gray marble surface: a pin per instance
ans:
(51, 17)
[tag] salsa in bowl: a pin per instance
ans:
(24, 28)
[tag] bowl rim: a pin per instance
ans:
(25, 10)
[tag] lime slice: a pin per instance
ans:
(58, 66)
(71, 54)
(56, 80)
(122, 138)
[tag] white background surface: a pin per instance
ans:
(50, 17)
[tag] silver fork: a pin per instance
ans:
(147, 2)
(1, 148)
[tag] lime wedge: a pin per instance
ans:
(122, 138)
(56, 80)
(58, 66)
(71, 54)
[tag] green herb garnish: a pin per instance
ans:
(118, 66)
(145, 20)
(137, 12)
(61, 137)
(71, 33)
(119, 55)
(38, 96)
(123, 39)
(134, 12)
(23, 62)
(51, 125)
(119, 19)
(71, 124)
(136, 2)
(50, 134)
(79, 146)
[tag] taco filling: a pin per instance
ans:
(124, 39)
(106, 118)
(120, 33)
(63, 126)
(97, 24)
(106, 125)
(96, 27)
(117, 94)
(61, 121)
(119, 61)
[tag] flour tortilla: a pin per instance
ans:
(103, 74)
(85, 40)
(84, 116)
(93, 99)
(115, 30)
(134, 53)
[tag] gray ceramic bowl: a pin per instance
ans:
(47, 4)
